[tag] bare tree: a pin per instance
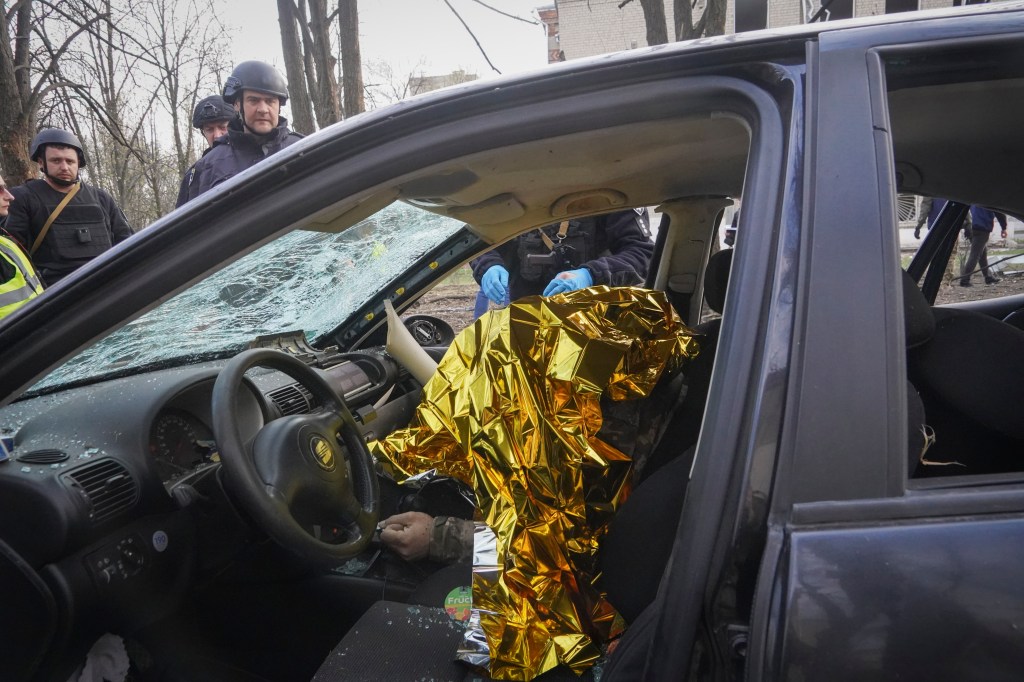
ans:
(326, 101)
(314, 73)
(351, 59)
(298, 94)
(114, 72)
(711, 22)
(654, 20)
(388, 84)
(28, 76)
(187, 45)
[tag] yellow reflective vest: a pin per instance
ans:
(24, 285)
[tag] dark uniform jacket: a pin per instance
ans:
(231, 154)
(616, 248)
(187, 178)
(89, 225)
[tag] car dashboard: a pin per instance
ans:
(118, 484)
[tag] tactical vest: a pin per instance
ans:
(24, 285)
(559, 249)
(81, 232)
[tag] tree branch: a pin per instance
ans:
(512, 16)
(472, 35)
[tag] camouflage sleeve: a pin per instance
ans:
(451, 540)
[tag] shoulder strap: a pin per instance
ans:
(53, 216)
(563, 229)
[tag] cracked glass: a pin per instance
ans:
(304, 281)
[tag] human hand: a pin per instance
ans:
(408, 534)
(917, 233)
(1004, 234)
(570, 280)
(494, 284)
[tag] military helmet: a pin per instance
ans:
(59, 137)
(211, 109)
(258, 76)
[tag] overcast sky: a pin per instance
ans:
(407, 32)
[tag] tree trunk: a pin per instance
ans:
(654, 18)
(683, 12)
(714, 18)
(298, 95)
(16, 110)
(329, 109)
(351, 59)
(712, 21)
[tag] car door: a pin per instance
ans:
(881, 563)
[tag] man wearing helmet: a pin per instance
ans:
(210, 117)
(257, 91)
(62, 221)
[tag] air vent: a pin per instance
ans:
(105, 486)
(293, 399)
(47, 456)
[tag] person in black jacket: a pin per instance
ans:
(86, 226)
(210, 117)
(257, 91)
(613, 249)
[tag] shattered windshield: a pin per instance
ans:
(308, 281)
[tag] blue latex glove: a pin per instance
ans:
(494, 284)
(570, 280)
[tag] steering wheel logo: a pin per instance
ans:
(323, 453)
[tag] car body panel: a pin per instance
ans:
(804, 550)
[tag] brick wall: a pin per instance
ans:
(590, 27)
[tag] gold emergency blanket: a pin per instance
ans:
(513, 410)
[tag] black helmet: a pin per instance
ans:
(56, 136)
(211, 109)
(257, 76)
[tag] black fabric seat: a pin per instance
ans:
(684, 428)
(968, 368)
(1016, 318)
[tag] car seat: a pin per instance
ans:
(968, 368)
(684, 427)
(1016, 318)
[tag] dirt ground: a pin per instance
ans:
(1010, 284)
(453, 303)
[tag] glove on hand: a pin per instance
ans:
(570, 280)
(494, 284)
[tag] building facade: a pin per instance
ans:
(583, 28)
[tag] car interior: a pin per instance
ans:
(961, 366)
(114, 463)
(129, 517)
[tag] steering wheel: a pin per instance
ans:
(296, 477)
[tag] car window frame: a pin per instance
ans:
(873, 482)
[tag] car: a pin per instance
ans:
(848, 491)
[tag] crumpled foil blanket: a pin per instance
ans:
(513, 410)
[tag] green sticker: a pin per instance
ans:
(458, 603)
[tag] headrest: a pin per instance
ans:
(716, 279)
(917, 313)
